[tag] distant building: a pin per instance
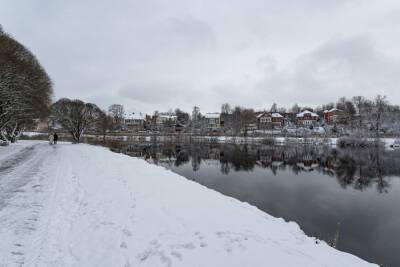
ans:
(277, 120)
(134, 121)
(168, 118)
(268, 120)
(212, 122)
(163, 122)
(307, 118)
(332, 116)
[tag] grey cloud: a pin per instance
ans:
(173, 93)
(192, 33)
(344, 67)
(159, 54)
(151, 92)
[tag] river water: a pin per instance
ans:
(346, 197)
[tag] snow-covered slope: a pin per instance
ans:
(81, 205)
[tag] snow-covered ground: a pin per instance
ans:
(81, 205)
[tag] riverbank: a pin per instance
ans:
(82, 205)
(268, 140)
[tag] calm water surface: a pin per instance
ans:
(355, 193)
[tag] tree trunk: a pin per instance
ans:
(75, 137)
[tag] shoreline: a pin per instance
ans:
(276, 140)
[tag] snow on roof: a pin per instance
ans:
(260, 115)
(167, 116)
(276, 115)
(332, 110)
(212, 115)
(134, 116)
(301, 114)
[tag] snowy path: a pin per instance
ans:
(80, 205)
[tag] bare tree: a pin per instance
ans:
(360, 105)
(380, 106)
(75, 116)
(242, 118)
(196, 115)
(226, 108)
(196, 119)
(295, 108)
(117, 112)
(348, 111)
(282, 110)
(274, 108)
(105, 124)
(182, 117)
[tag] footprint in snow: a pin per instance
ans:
(177, 255)
(123, 245)
(183, 246)
(106, 223)
(126, 232)
(201, 238)
(155, 250)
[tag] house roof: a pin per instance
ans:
(167, 116)
(212, 115)
(260, 115)
(332, 110)
(276, 115)
(301, 114)
(135, 116)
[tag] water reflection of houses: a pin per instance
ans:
(214, 153)
(359, 169)
(270, 157)
(308, 163)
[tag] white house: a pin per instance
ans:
(134, 121)
(213, 121)
(163, 118)
(307, 118)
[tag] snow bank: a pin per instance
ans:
(81, 205)
(32, 134)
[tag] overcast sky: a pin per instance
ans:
(155, 55)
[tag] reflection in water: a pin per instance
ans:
(359, 168)
(318, 187)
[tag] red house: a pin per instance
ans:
(332, 115)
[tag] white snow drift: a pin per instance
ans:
(81, 205)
